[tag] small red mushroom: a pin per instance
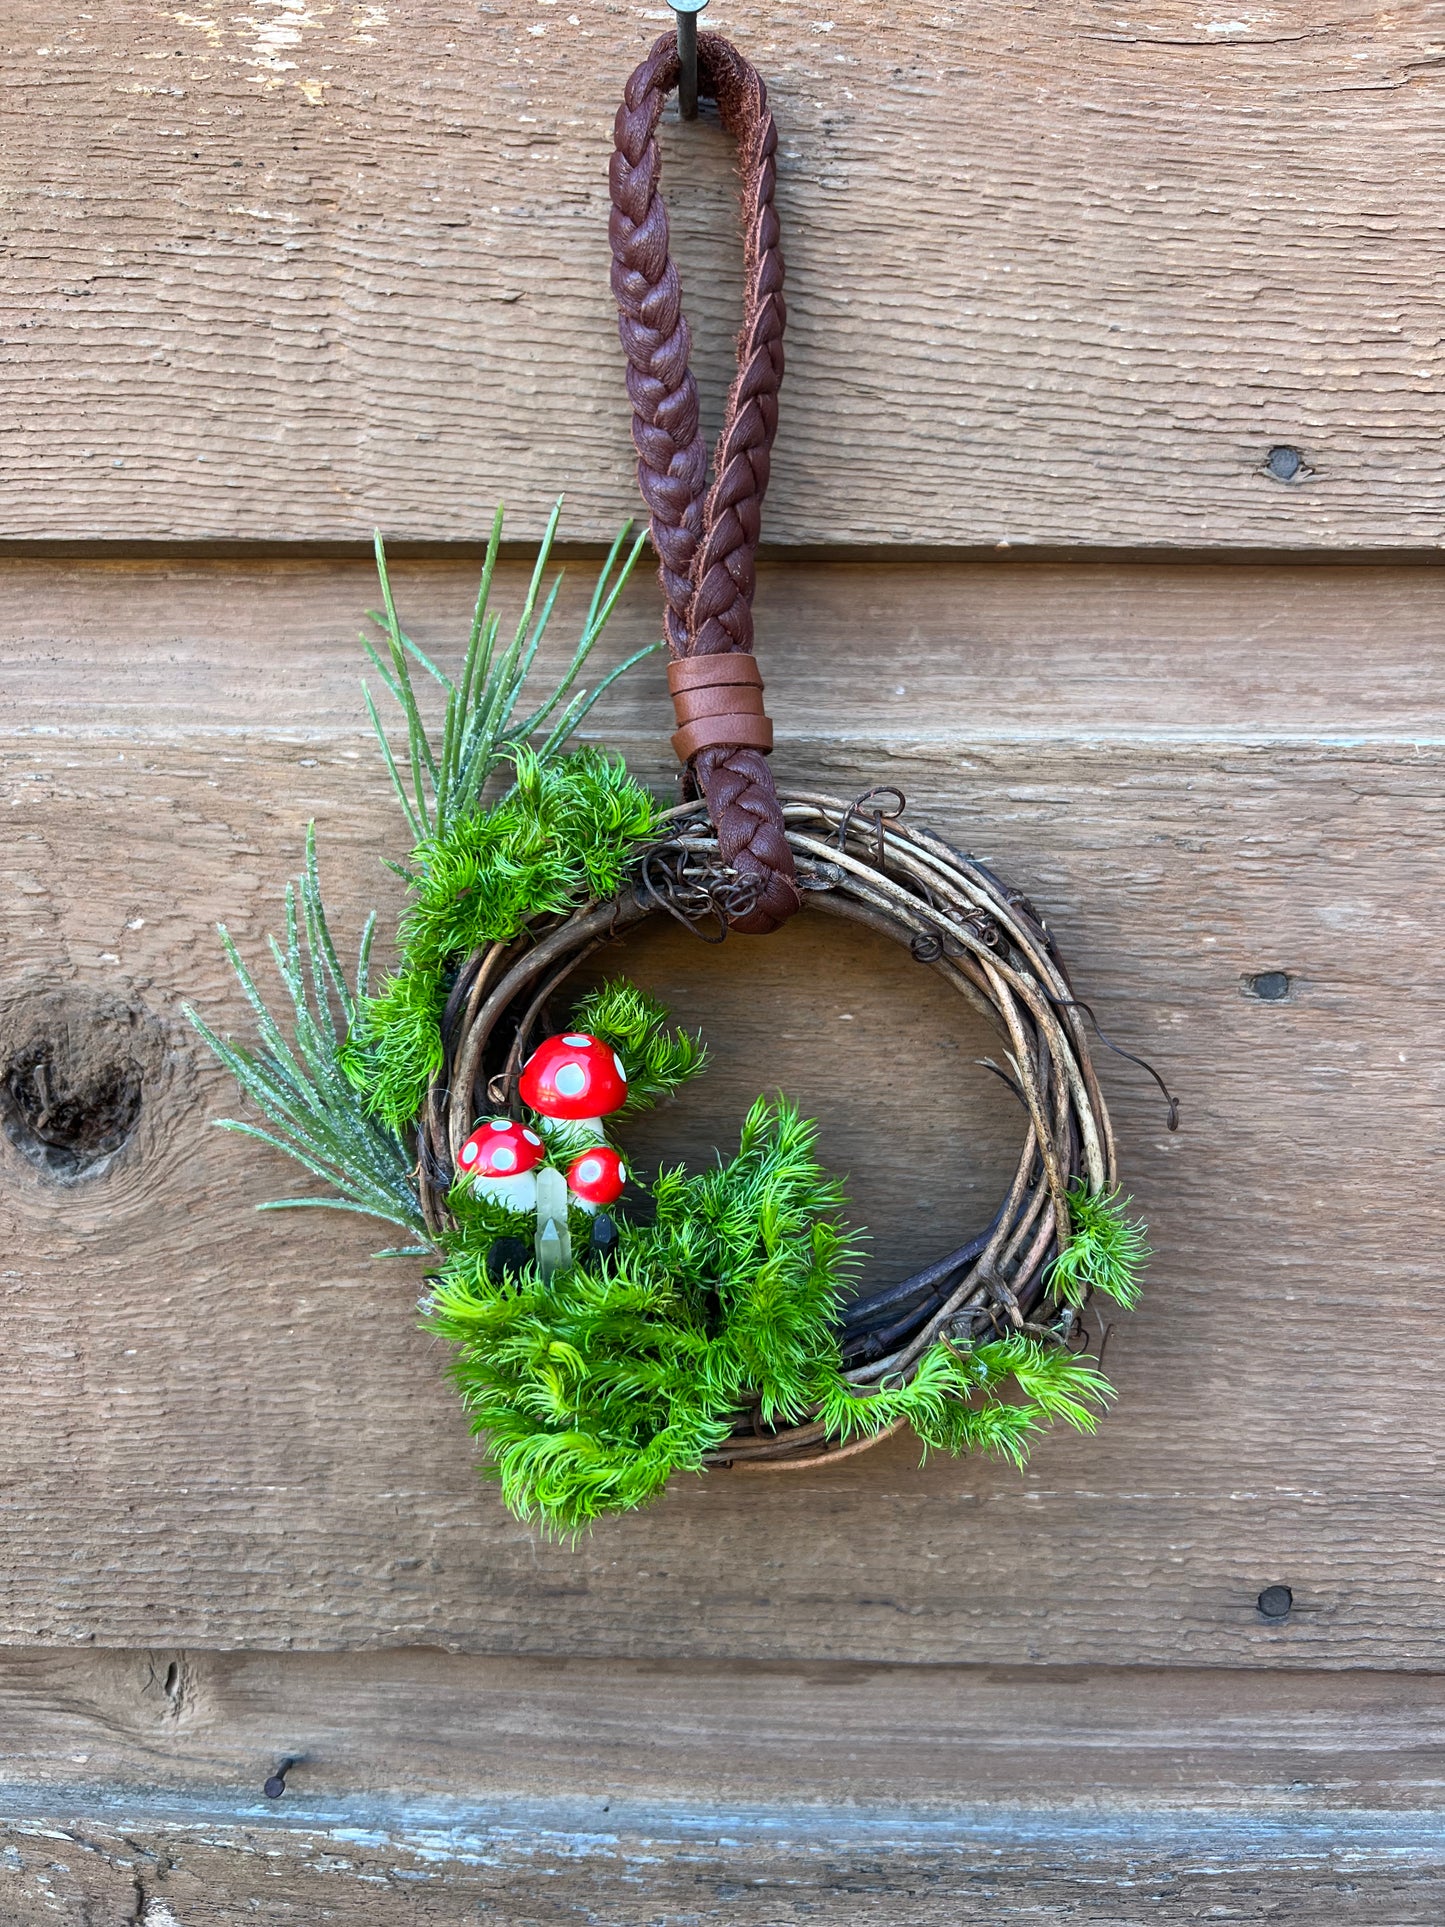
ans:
(500, 1157)
(597, 1177)
(574, 1080)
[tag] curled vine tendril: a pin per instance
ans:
(691, 892)
(877, 816)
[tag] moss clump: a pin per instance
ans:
(1106, 1253)
(656, 1058)
(564, 831)
(593, 1389)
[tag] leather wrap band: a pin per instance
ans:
(717, 699)
(707, 672)
(748, 732)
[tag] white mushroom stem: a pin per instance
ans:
(517, 1192)
(569, 1135)
(554, 1241)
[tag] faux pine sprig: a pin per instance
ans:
(658, 1058)
(953, 1401)
(298, 1083)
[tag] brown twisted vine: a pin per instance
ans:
(706, 538)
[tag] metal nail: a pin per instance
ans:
(276, 1785)
(686, 12)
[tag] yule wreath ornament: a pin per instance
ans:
(611, 1327)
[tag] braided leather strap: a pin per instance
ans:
(706, 539)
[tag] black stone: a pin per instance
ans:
(506, 1258)
(604, 1236)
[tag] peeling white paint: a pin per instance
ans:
(285, 42)
(363, 20)
(278, 33)
(262, 213)
(1248, 21)
(200, 24)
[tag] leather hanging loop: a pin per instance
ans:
(706, 538)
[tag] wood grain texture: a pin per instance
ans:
(1057, 275)
(173, 643)
(434, 1789)
(225, 1431)
(379, 1735)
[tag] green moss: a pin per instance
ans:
(591, 1391)
(1106, 1253)
(565, 831)
(657, 1058)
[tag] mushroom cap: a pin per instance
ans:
(500, 1148)
(598, 1175)
(574, 1076)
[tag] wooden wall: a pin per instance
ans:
(1063, 280)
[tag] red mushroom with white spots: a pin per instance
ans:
(501, 1158)
(597, 1177)
(574, 1081)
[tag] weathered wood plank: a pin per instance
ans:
(377, 1732)
(175, 642)
(223, 1430)
(430, 1788)
(649, 1870)
(1056, 276)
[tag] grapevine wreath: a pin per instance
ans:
(610, 1329)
